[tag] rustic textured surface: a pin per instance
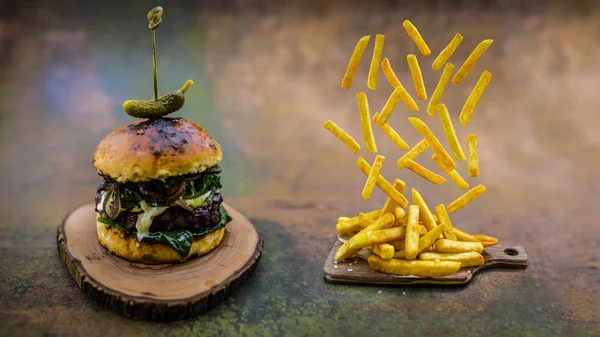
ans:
(267, 75)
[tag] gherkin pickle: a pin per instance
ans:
(164, 105)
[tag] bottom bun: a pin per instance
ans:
(153, 252)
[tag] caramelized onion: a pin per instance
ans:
(114, 208)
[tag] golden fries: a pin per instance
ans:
(343, 136)
(440, 88)
(359, 49)
(395, 83)
(372, 177)
(383, 184)
(383, 250)
(450, 133)
(347, 226)
(361, 240)
(365, 122)
(423, 172)
(391, 133)
(374, 68)
(473, 160)
(411, 239)
(440, 211)
(390, 205)
(395, 97)
(447, 52)
(433, 141)
(467, 259)
(399, 212)
(416, 268)
(417, 76)
(413, 153)
(450, 246)
(487, 241)
(466, 198)
(414, 241)
(463, 236)
(427, 240)
(424, 211)
(453, 175)
(471, 60)
(416, 37)
(469, 107)
(386, 235)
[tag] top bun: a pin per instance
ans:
(159, 148)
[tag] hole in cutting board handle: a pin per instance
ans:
(511, 251)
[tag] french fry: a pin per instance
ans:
(359, 49)
(411, 239)
(471, 60)
(390, 205)
(391, 133)
(398, 244)
(447, 52)
(372, 177)
(464, 236)
(487, 241)
(374, 68)
(361, 240)
(474, 96)
(424, 211)
(473, 160)
(422, 230)
(467, 259)
(440, 88)
(399, 254)
(399, 213)
(396, 84)
(383, 184)
(386, 235)
(343, 136)
(453, 175)
(365, 122)
(417, 76)
(413, 153)
(440, 211)
(416, 268)
(400, 221)
(466, 198)
(450, 133)
(347, 226)
(383, 250)
(433, 141)
(423, 172)
(429, 239)
(395, 97)
(450, 246)
(416, 37)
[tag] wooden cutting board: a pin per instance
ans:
(357, 270)
(162, 292)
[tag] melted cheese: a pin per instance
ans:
(144, 219)
(200, 201)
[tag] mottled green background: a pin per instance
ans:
(267, 76)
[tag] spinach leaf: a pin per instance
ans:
(129, 197)
(111, 223)
(180, 241)
(208, 182)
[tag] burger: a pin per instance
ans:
(160, 196)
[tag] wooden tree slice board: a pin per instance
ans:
(163, 292)
(359, 272)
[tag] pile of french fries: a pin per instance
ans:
(408, 238)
